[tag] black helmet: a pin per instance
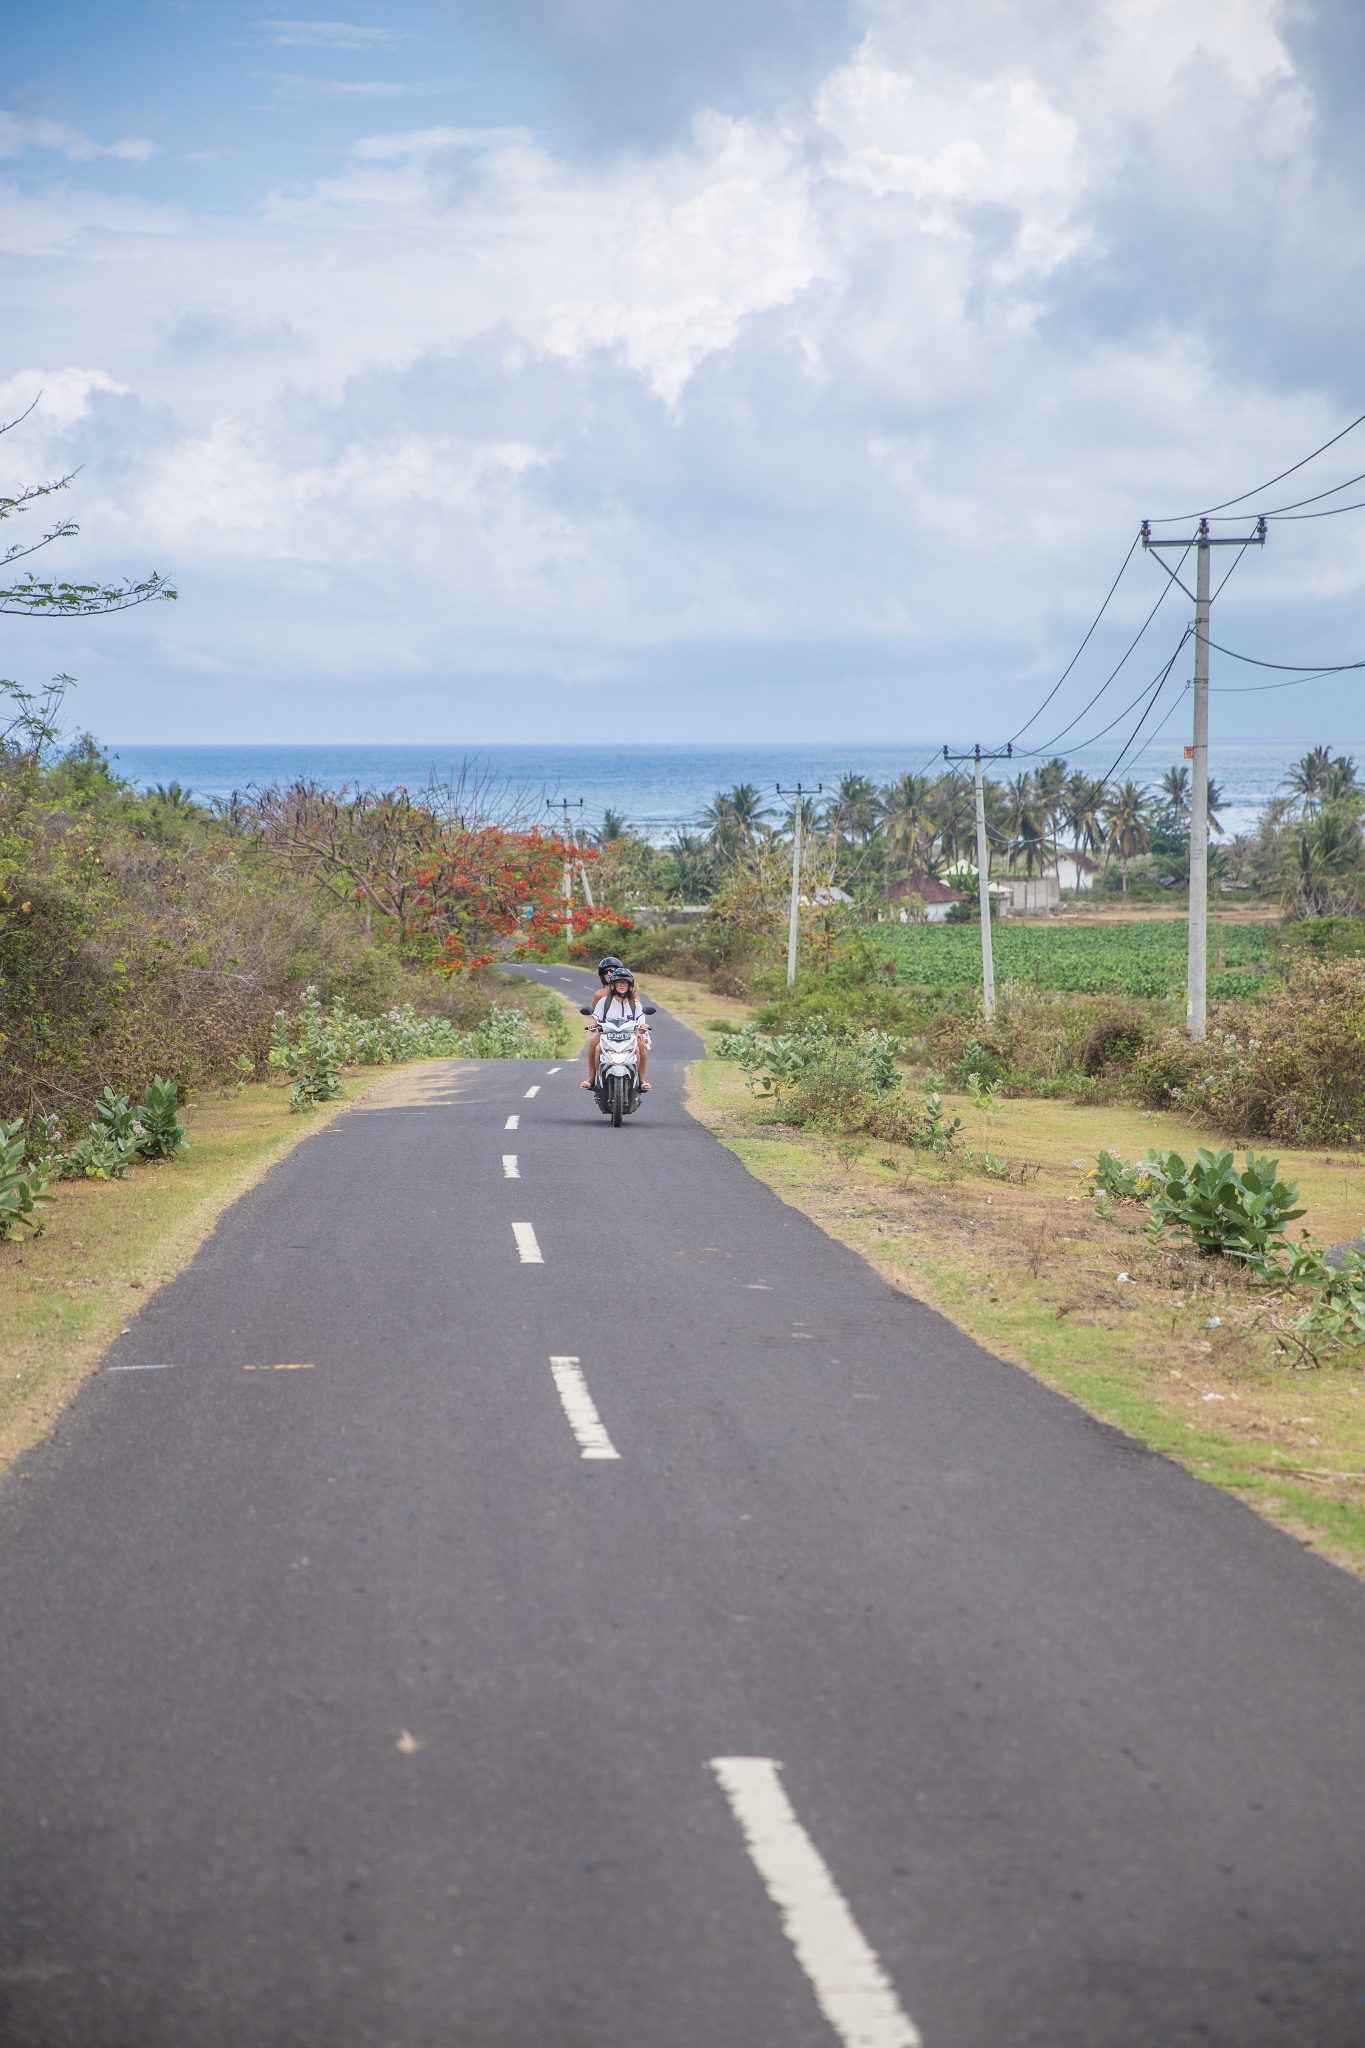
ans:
(619, 973)
(605, 965)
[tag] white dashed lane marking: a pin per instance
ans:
(511, 1123)
(533, 1091)
(581, 1410)
(510, 1169)
(553, 1070)
(851, 1988)
(527, 1247)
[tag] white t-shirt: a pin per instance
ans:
(609, 1008)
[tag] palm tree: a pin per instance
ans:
(1213, 803)
(1125, 821)
(1174, 794)
(1308, 778)
(853, 813)
(1341, 781)
(1050, 782)
(1084, 803)
(907, 809)
(1025, 821)
(614, 827)
(952, 810)
(1324, 865)
(733, 818)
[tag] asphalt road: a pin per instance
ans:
(354, 1705)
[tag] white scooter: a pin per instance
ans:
(618, 1066)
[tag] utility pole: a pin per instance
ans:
(983, 871)
(570, 840)
(798, 792)
(1197, 969)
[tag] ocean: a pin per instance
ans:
(657, 788)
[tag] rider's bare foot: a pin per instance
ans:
(645, 1087)
(585, 1084)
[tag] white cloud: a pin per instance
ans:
(20, 133)
(330, 35)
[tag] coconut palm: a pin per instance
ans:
(1025, 822)
(1125, 824)
(853, 811)
(1050, 782)
(953, 813)
(907, 811)
(1084, 804)
(1173, 792)
(1308, 778)
(734, 819)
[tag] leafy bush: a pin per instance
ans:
(160, 1133)
(1120, 1182)
(1306, 1081)
(510, 1035)
(313, 1058)
(1114, 1040)
(22, 1190)
(1241, 1215)
(864, 1062)
(980, 1061)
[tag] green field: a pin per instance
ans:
(1119, 959)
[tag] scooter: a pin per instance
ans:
(618, 1066)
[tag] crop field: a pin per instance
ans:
(1118, 959)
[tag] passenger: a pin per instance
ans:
(617, 1001)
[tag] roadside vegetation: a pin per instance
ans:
(153, 948)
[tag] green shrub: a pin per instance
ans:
(312, 1058)
(160, 1134)
(22, 1189)
(1241, 1215)
(1113, 1041)
(1305, 1081)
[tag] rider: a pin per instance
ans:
(618, 1001)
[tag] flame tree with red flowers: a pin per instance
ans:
(455, 891)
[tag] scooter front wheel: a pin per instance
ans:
(618, 1098)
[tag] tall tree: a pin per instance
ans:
(733, 819)
(1125, 820)
(906, 807)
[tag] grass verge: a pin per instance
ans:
(108, 1245)
(1156, 1341)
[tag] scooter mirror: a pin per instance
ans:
(650, 1009)
(584, 1013)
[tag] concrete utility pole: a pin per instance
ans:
(798, 792)
(983, 872)
(571, 840)
(1197, 970)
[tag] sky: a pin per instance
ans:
(497, 370)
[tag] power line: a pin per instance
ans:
(1281, 511)
(1301, 668)
(1034, 752)
(1161, 682)
(1330, 513)
(1174, 518)
(1084, 644)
